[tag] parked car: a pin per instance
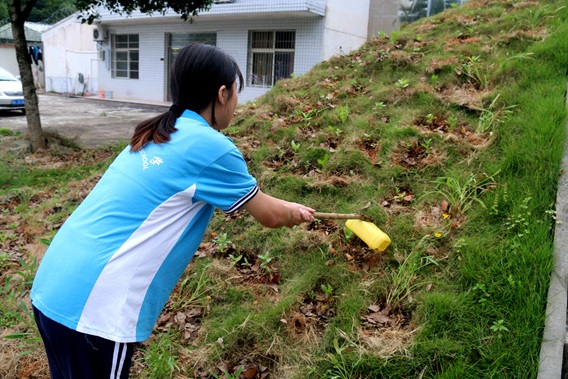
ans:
(11, 93)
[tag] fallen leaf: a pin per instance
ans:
(250, 373)
(374, 308)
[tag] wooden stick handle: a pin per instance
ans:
(322, 215)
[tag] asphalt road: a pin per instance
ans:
(90, 121)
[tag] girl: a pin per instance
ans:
(113, 264)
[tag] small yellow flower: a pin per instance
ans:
(437, 234)
(445, 215)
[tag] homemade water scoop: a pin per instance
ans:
(370, 233)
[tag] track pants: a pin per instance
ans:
(75, 355)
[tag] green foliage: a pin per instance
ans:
(185, 9)
(160, 355)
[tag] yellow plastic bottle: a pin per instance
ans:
(374, 237)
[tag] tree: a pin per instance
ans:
(19, 12)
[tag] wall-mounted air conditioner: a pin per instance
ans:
(99, 34)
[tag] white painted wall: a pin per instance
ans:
(69, 50)
(232, 37)
(8, 59)
(346, 26)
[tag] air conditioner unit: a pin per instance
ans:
(99, 34)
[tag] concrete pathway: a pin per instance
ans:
(90, 121)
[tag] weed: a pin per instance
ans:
(473, 69)
(434, 80)
(24, 195)
(235, 260)
(12, 306)
(519, 222)
(3, 259)
(227, 375)
(295, 146)
(347, 233)
(379, 105)
(533, 19)
(403, 280)
(491, 116)
(160, 355)
(323, 161)
(307, 116)
(427, 145)
(265, 260)
(335, 131)
(481, 294)
(499, 328)
(452, 123)
(463, 194)
(342, 368)
(28, 272)
(222, 242)
(342, 113)
(193, 292)
(402, 83)
(327, 289)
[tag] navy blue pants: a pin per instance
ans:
(75, 355)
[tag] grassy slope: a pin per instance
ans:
(483, 316)
(460, 291)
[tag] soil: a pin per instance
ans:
(90, 122)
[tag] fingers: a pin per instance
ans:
(301, 214)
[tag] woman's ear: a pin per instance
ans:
(222, 94)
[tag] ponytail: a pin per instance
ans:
(156, 129)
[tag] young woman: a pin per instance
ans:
(113, 264)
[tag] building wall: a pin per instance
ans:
(8, 59)
(346, 25)
(383, 17)
(232, 37)
(69, 53)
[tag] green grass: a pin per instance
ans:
(450, 141)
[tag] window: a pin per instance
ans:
(125, 56)
(177, 41)
(271, 57)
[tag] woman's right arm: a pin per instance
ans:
(275, 213)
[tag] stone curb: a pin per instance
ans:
(554, 338)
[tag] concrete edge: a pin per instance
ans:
(554, 337)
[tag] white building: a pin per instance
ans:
(8, 58)
(269, 39)
(71, 57)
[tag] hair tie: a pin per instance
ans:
(177, 110)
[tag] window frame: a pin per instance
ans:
(132, 47)
(259, 81)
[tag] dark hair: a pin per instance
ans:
(197, 73)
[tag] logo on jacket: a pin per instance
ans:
(155, 161)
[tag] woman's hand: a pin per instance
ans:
(275, 213)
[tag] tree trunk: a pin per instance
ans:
(17, 19)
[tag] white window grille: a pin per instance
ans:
(125, 56)
(271, 57)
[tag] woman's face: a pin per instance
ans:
(224, 113)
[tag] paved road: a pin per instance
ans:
(92, 122)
